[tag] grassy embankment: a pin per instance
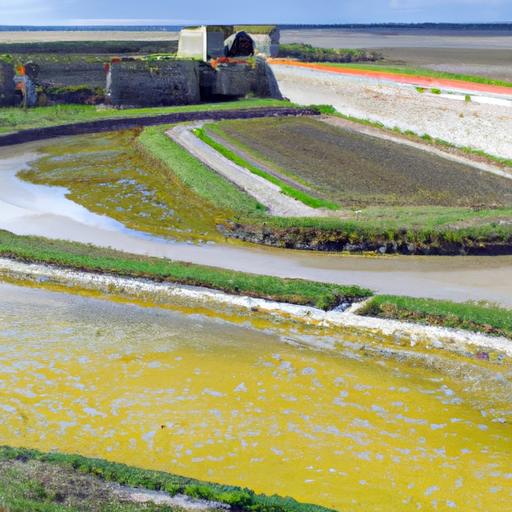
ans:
(15, 119)
(485, 318)
(472, 317)
(54, 482)
(86, 257)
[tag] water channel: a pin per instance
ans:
(253, 400)
(31, 209)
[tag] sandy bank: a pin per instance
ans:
(46, 36)
(169, 294)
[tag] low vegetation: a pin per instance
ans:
(203, 181)
(479, 317)
(86, 257)
(308, 53)
(52, 482)
(354, 170)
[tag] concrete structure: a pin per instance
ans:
(6, 84)
(266, 42)
(27, 87)
(207, 41)
(154, 83)
(203, 43)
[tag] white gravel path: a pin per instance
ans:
(259, 188)
(168, 293)
(481, 126)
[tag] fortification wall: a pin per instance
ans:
(150, 84)
(73, 74)
(242, 79)
(6, 84)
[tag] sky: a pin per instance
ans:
(186, 12)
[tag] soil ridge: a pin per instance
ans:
(111, 125)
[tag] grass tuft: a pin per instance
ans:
(488, 319)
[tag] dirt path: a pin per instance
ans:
(259, 188)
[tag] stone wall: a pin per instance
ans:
(6, 84)
(267, 44)
(240, 79)
(73, 74)
(126, 123)
(151, 84)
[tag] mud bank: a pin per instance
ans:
(314, 239)
(149, 293)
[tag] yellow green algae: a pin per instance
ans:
(106, 175)
(270, 407)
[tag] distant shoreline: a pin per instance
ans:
(498, 26)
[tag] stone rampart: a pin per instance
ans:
(155, 83)
(6, 84)
(73, 74)
(240, 79)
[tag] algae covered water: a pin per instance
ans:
(256, 402)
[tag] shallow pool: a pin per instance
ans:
(348, 427)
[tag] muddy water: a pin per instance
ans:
(107, 177)
(29, 209)
(218, 399)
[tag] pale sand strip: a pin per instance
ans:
(403, 333)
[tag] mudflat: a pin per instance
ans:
(469, 52)
(399, 38)
(47, 36)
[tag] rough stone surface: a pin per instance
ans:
(72, 74)
(268, 44)
(243, 78)
(151, 84)
(6, 84)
